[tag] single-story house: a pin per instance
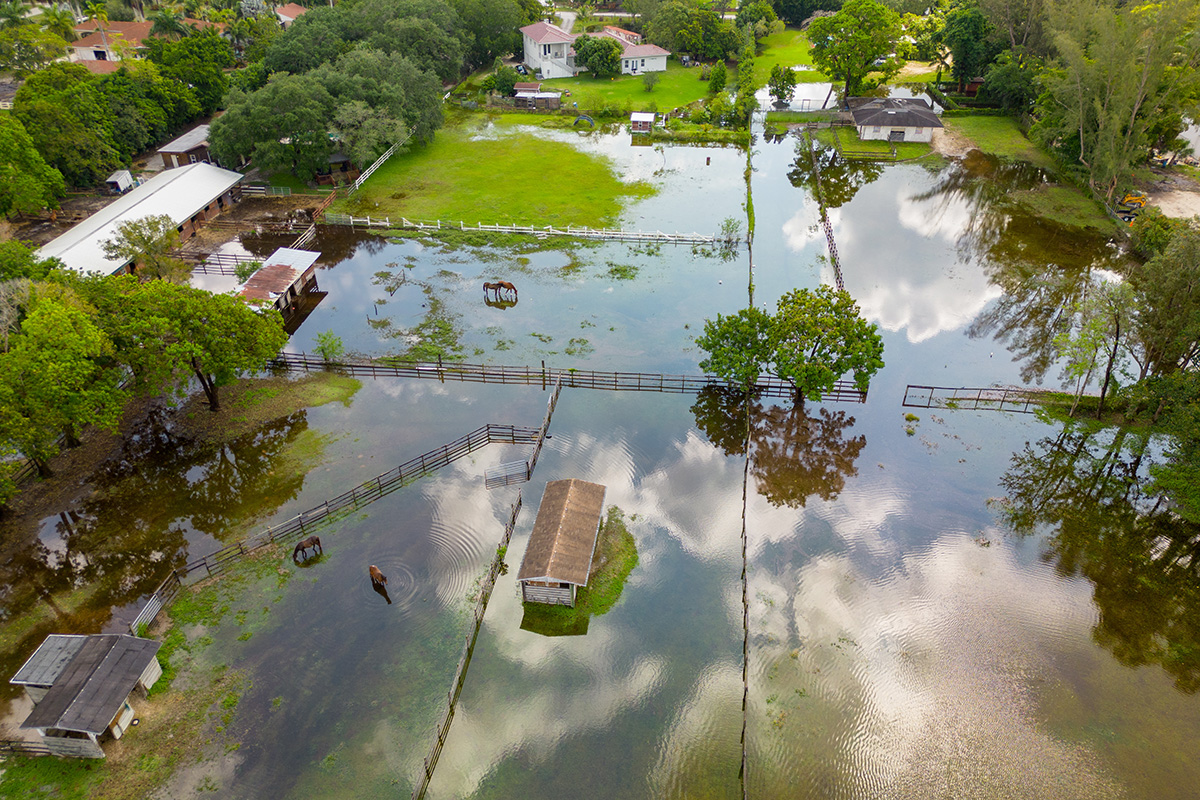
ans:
(187, 149)
(81, 688)
(284, 276)
(549, 51)
(188, 195)
(896, 119)
(558, 559)
(289, 14)
(641, 121)
(103, 42)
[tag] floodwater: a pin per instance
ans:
(966, 604)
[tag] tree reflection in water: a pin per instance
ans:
(841, 178)
(120, 540)
(1084, 487)
(794, 454)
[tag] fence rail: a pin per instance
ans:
(843, 391)
(825, 223)
(992, 398)
(363, 494)
(20, 747)
(369, 171)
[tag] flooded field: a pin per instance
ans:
(956, 605)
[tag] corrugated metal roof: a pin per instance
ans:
(642, 116)
(95, 683)
(278, 272)
(564, 534)
(190, 140)
(178, 193)
(49, 660)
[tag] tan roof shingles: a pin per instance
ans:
(564, 534)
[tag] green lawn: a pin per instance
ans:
(790, 48)
(847, 137)
(1067, 205)
(495, 175)
(678, 86)
(1000, 136)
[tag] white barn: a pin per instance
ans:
(894, 119)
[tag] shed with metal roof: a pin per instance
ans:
(81, 687)
(558, 559)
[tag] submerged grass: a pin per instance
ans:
(999, 136)
(454, 179)
(1065, 205)
(616, 556)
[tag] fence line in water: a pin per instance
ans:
(825, 223)
(994, 398)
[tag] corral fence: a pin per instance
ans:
(259, 189)
(369, 171)
(487, 584)
(522, 471)
(993, 398)
(352, 500)
(843, 390)
(538, 231)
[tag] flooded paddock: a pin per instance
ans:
(926, 617)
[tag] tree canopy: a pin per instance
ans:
(813, 340)
(859, 39)
(27, 182)
(600, 54)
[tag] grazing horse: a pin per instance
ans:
(498, 287)
(303, 545)
(377, 576)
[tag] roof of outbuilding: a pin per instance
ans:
(897, 112)
(188, 141)
(278, 272)
(564, 534)
(90, 689)
(49, 660)
(178, 193)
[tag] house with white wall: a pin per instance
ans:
(550, 51)
(896, 119)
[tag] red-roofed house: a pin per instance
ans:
(105, 43)
(289, 14)
(549, 50)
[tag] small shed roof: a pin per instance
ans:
(564, 534)
(278, 272)
(178, 193)
(49, 660)
(92, 686)
(526, 86)
(642, 116)
(120, 176)
(189, 141)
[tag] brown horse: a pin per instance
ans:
(303, 545)
(377, 576)
(498, 287)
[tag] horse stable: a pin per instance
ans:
(558, 559)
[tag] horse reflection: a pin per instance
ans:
(303, 546)
(382, 591)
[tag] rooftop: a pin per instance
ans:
(899, 112)
(189, 141)
(278, 272)
(178, 193)
(545, 33)
(564, 534)
(90, 687)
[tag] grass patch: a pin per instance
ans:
(677, 86)
(1066, 206)
(789, 48)
(615, 557)
(455, 178)
(848, 142)
(999, 136)
(248, 404)
(290, 181)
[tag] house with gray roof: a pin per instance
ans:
(82, 688)
(896, 119)
(186, 149)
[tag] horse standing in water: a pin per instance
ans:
(303, 545)
(498, 287)
(377, 576)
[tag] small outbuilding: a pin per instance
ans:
(189, 148)
(641, 121)
(895, 119)
(558, 560)
(119, 182)
(82, 688)
(284, 276)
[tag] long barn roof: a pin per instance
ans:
(564, 534)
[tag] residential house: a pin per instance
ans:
(110, 40)
(896, 119)
(549, 51)
(289, 14)
(83, 689)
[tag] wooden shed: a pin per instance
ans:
(641, 121)
(81, 688)
(558, 559)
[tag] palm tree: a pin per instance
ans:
(60, 21)
(168, 22)
(12, 13)
(99, 12)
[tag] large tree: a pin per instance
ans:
(148, 243)
(1167, 291)
(813, 340)
(24, 49)
(199, 60)
(600, 54)
(27, 182)
(858, 40)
